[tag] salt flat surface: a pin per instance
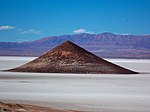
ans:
(89, 92)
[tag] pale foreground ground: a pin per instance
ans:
(87, 92)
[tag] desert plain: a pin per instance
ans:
(80, 92)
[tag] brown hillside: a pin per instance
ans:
(70, 58)
(12, 107)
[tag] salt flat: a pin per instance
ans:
(89, 92)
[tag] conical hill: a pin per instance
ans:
(70, 58)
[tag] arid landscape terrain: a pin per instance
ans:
(82, 92)
(106, 45)
(71, 58)
(10, 107)
(74, 55)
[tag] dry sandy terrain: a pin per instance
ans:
(10, 107)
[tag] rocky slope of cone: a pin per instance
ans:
(70, 58)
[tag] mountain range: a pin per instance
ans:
(107, 45)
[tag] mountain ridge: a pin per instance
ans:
(106, 44)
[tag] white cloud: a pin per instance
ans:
(30, 31)
(81, 30)
(20, 30)
(6, 27)
(125, 34)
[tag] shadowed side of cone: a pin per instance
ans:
(70, 58)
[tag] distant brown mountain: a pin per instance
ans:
(107, 45)
(70, 58)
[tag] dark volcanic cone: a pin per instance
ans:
(70, 58)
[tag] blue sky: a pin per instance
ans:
(27, 20)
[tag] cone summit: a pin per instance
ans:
(70, 58)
